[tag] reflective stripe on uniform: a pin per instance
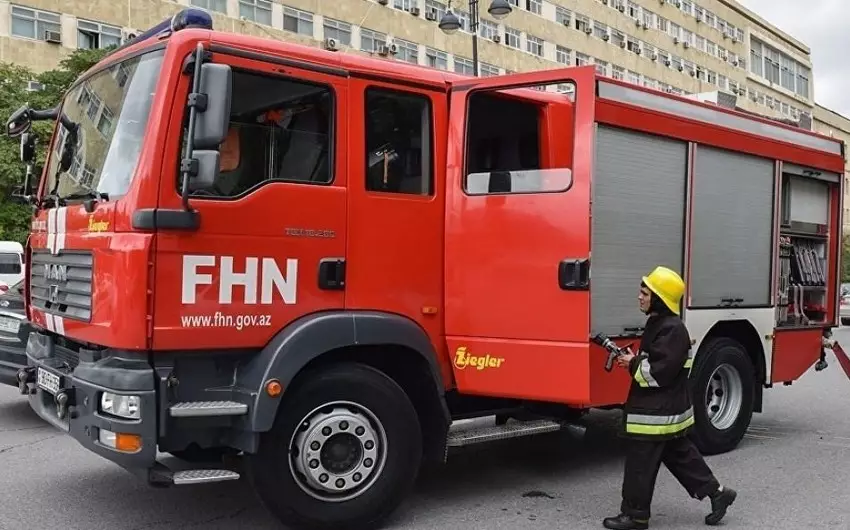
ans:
(659, 425)
(643, 375)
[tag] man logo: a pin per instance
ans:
(56, 272)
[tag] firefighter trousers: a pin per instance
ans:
(643, 460)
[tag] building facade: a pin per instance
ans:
(680, 46)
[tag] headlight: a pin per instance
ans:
(122, 406)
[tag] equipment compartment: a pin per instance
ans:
(801, 297)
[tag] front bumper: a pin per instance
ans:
(83, 377)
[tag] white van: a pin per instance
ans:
(11, 262)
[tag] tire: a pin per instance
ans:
(722, 364)
(392, 473)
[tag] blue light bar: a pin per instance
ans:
(184, 19)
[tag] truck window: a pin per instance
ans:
(503, 148)
(280, 130)
(398, 142)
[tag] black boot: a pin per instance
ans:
(720, 502)
(625, 522)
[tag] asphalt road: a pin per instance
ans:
(791, 471)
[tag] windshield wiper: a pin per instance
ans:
(92, 197)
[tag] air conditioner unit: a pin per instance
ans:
(331, 44)
(414, 11)
(621, 8)
(686, 44)
(668, 62)
(637, 22)
(742, 91)
(430, 15)
(654, 56)
(622, 44)
(681, 68)
(566, 22)
(735, 62)
(497, 38)
(693, 73)
(675, 40)
(606, 37)
(588, 30)
(383, 2)
(637, 50)
(34, 86)
(383, 49)
(393, 48)
(645, 25)
(53, 37)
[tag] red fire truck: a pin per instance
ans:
(324, 262)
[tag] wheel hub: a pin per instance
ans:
(338, 452)
(724, 396)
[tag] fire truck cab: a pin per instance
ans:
(324, 261)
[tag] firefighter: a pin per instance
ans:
(658, 413)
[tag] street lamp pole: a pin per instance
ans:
(450, 23)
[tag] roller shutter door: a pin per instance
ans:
(638, 221)
(732, 228)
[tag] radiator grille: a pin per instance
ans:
(62, 284)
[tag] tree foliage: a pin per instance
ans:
(15, 218)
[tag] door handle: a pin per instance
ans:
(574, 274)
(332, 274)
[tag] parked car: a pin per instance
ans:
(14, 331)
(844, 310)
(11, 262)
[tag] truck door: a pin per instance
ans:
(272, 228)
(517, 229)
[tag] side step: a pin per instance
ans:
(202, 476)
(490, 433)
(199, 409)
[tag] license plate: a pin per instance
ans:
(9, 325)
(47, 381)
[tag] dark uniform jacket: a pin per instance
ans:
(659, 405)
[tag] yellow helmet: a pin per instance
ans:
(667, 285)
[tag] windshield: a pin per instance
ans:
(111, 111)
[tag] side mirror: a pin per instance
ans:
(28, 147)
(209, 164)
(19, 122)
(213, 104)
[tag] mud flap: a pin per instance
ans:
(839, 353)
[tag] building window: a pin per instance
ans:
(488, 70)
(582, 23)
(601, 67)
(633, 77)
(398, 142)
(617, 38)
(33, 24)
(104, 124)
(562, 55)
(600, 30)
(437, 59)
(487, 30)
(437, 8)
(582, 59)
(534, 6)
(336, 29)
(259, 11)
(370, 40)
(407, 51)
(211, 5)
(298, 21)
(632, 9)
(534, 45)
(404, 5)
(512, 37)
(464, 66)
(618, 72)
(93, 35)
(563, 16)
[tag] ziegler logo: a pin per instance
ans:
(98, 226)
(464, 359)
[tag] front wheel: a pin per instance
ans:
(344, 451)
(723, 395)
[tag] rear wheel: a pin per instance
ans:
(344, 451)
(723, 395)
